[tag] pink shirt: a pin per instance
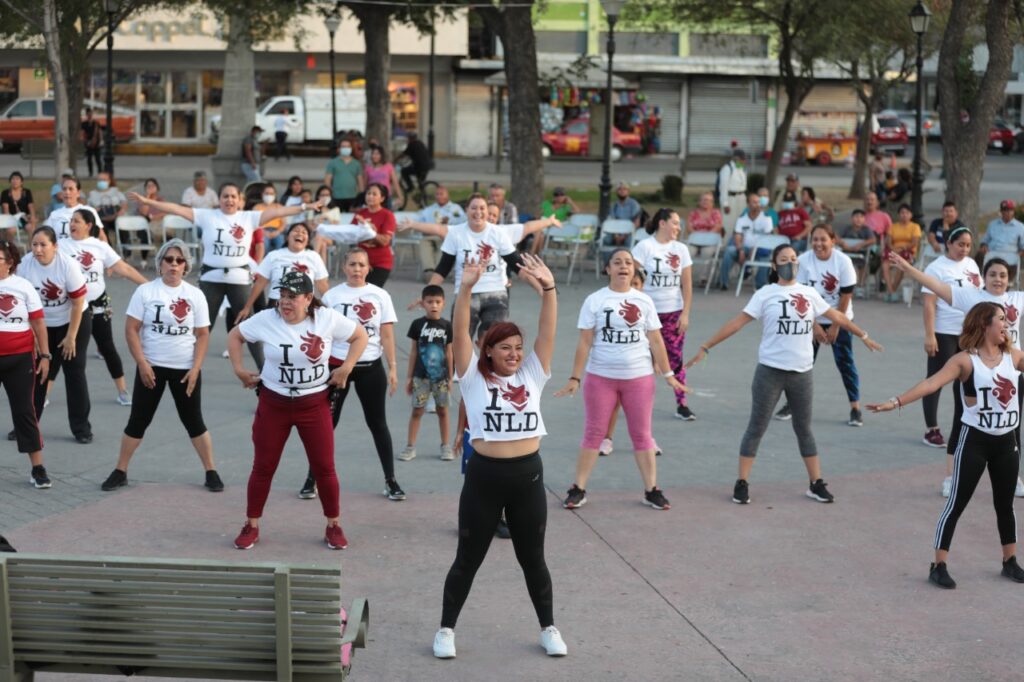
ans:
(878, 221)
(697, 222)
(380, 174)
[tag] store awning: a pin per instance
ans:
(592, 78)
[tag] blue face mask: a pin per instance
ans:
(345, 151)
(102, 185)
(788, 205)
(763, 201)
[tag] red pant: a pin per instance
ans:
(275, 417)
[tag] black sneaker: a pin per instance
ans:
(115, 480)
(1013, 571)
(856, 418)
(818, 491)
(784, 415)
(741, 492)
(213, 482)
(39, 478)
(308, 491)
(394, 491)
(502, 530)
(683, 412)
(940, 576)
(655, 498)
(84, 438)
(11, 435)
(576, 498)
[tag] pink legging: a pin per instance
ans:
(600, 394)
(674, 340)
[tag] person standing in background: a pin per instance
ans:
(252, 155)
(344, 175)
(732, 188)
(92, 139)
(281, 136)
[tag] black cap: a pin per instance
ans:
(296, 282)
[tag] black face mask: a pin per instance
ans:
(786, 271)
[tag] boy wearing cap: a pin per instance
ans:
(1004, 237)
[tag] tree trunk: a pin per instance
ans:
(76, 97)
(374, 23)
(238, 107)
(964, 144)
(858, 187)
(793, 102)
(514, 25)
(51, 37)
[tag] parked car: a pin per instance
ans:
(1001, 136)
(890, 136)
(31, 118)
(573, 139)
(930, 121)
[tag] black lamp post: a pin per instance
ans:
(333, 21)
(430, 110)
(611, 10)
(919, 18)
(111, 6)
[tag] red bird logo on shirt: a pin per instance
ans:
(300, 267)
(1012, 313)
(485, 251)
(238, 232)
(86, 259)
(516, 396)
(180, 309)
(7, 303)
(829, 282)
(50, 291)
(312, 346)
(630, 312)
(1004, 390)
(673, 261)
(974, 279)
(800, 304)
(365, 310)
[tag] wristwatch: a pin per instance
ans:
(45, 356)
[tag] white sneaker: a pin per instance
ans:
(124, 398)
(408, 453)
(444, 643)
(947, 486)
(1019, 492)
(447, 454)
(431, 404)
(550, 639)
(606, 447)
(225, 354)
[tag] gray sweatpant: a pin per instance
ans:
(766, 389)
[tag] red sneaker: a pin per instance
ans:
(248, 538)
(934, 439)
(334, 536)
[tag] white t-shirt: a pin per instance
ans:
(370, 306)
(965, 298)
(170, 317)
(664, 264)
(620, 322)
(296, 354)
(57, 283)
(515, 232)
(349, 234)
(208, 199)
(828, 277)
(279, 261)
(488, 246)
(19, 303)
(996, 410)
(505, 408)
(753, 229)
(94, 257)
(963, 273)
(787, 325)
(449, 214)
(226, 242)
(60, 217)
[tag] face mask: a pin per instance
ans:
(763, 201)
(269, 198)
(787, 271)
(788, 205)
(102, 185)
(345, 151)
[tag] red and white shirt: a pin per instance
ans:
(170, 317)
(226, 242)
(664, 264)
(60, 218)
(995, 411)
(57, 283)
(787, 324)
(94, 257)
(487, 246)
(280, 261)
(368, 305)
(504, 408)
(957, 274)
(965, 298)
(620, 320)
(296, 355)
(828, 277)
(19, 303)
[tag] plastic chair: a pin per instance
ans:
(706, 240)
(184, 230)
(612, 227)
(640, 234)
(566, 240)
(11, 222)
(334, 256)
(132, 224)
(768, 243)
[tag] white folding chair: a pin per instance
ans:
(567, 240)
(767, 243)
(702, 241)
(11, 222)
(186, 231)
(335, 255)
(132, 224)
(640, 234)
(612, 226)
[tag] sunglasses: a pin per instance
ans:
(174, 260)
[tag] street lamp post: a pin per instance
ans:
(430, 110)
(332, 21)
(919, 18)
(611, 10)
(111, 7)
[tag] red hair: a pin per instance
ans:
(497, 333)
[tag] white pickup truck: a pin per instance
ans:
(308, 116)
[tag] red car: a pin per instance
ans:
(574, 140)
(1000, 136)
(891, 136)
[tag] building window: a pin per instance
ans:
(654, 43)
(8, 86)
(570, 42)
(728, 45)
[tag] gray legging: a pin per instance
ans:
(237, 295)
(767, 388)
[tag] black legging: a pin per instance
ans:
(371, 382)
(492, 484)
(18, 375)
(378, 277)
(103, 334)
(145, 401)
(949, 345)
(237, 295)
(74, 376)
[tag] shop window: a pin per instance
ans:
(644, 42)
(183, 87)
(153, 87)
(405, 106)
(8, 86)
(213, 88)
(153, 123)
(728, 45)
(183, 124)
(23, 109)
(571, 42)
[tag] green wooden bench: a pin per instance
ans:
(173, 618)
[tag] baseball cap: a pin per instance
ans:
(296, 282)
(1007, 205)
(558, 191)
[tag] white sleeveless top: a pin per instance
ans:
(995, 411)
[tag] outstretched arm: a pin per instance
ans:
(728, 329)
(280, 211)
(941, 289)
(957, 367)
(462, 341)
(165, 206)
(846, 323)
(533, 268)
(540, 224)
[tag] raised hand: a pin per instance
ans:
(534, 267)
(472, 271)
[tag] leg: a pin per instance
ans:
(674, 347)
(842, 353)
(637, 396)
(1003, 464)
(20, 383)
(317, 434)
(600, 395)
(270, 429)
(54, 337)
(799, 388)
(414, 425)
(372, 391)
(730, 256)
(968, 467)
(144, 404)
(237, 295)
(930, 403)
(427, 250)
(190, 412)
(765, 392)
(378, 277)
(76, 384)
(103, 333)
(526, 511)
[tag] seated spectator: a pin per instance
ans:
(705, 218)
(151, 190)
(508, 214)
(443, 211)
(896, 195)
(794, 222)
(940, 227)
(764, 201)
(57, 193)
(856, 241)
(875, 218)
(273, 230)
(904, 238)
(17, 199)
(199, 195)
(1004, 237)
(626, 208)
(110, 203)
(560, 206)
(819, 211)
(750, 226)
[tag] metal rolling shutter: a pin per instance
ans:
(472, 119)
(722, 110)
(666, 95)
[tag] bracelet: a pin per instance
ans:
(707, 351)
(669, 374)
(576, 379)
(899, 403)
(45, 356)
(864, 336)
(550, 288)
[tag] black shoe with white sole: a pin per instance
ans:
(39, 478)
(818, 491)
(856, 418)
(115, 480)
(938, 575)
(308, 491)
(684, 413)
(741, 492)
(576, 497)
(394, 491)
(655, 498)
(784, 414)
